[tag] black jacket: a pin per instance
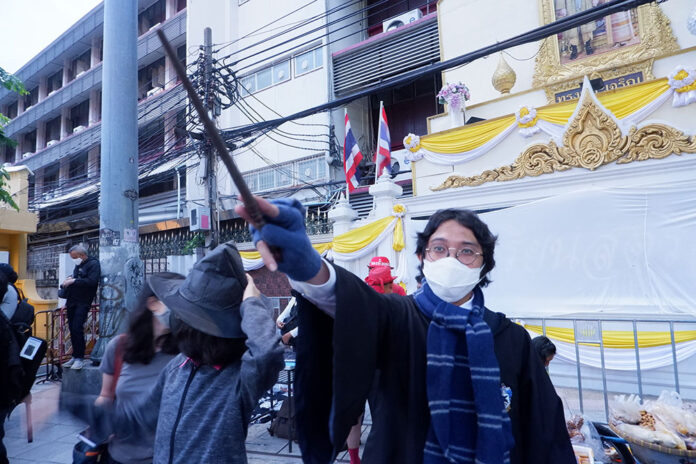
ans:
(338, 360)
(84, 289)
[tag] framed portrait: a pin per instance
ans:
(616, 45)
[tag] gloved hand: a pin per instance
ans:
(300, 261)
(99, 418)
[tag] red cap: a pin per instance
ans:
(378, 277)
(379, 261)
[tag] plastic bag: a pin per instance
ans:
(670, 410)
(626, 409)
(661, 436)
(583, 432)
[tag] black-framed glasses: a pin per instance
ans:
(464, 255)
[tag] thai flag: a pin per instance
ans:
(383, 153)
(351, 158)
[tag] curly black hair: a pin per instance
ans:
(208, 349)
(140, 344)
(471, 221)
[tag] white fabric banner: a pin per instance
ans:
(624, 251)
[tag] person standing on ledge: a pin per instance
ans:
(79, 290)
(458, 383)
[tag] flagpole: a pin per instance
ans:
(345, 115)
(375, 158)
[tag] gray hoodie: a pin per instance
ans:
(201, 413)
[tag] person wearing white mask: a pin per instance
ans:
(457, 382)
(79, 290)
(131, 365)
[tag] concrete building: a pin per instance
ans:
(57, 127)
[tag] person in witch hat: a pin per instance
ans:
(230, 355)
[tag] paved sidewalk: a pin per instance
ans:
(55, 434)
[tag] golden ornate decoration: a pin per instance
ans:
(656, 39)
(504, 77)
(644, 67)
(593, 139)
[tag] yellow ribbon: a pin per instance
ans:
(619, 339)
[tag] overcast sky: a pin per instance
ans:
(28, 26)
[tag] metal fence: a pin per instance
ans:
(590, 332)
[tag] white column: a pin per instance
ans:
(342, 216)
(169, 73)
(93, 163)
(170, 9)
(63, 172)
(43, 88)
(385, 192)
(169, 131)
(40, 135)
(94, 53)
(66, 68)
(94, 107)
(38, 183)
(64, 118)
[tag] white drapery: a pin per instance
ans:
(624, 251)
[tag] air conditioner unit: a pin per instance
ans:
(199, 218)
(78, 129)
(154, 91)
(51, 142)
(27, 155)
(401, 20)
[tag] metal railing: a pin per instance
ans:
(52, 325)
(590, 332)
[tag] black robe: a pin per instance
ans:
(382, 338)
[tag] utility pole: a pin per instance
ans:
(211, 163)
(119, 251)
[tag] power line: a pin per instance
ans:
(534, 35)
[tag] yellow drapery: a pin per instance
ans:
(467, 137)
(359, 238)
(253, 255)
(619, 339)
(621, 103)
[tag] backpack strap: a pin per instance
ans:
(118, 361)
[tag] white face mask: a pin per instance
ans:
(77, 261)
(164, 318)
(449, 279)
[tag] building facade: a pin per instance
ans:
(57, 126)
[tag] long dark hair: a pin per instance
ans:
(471, 221)
(140, 345)
(208, 349)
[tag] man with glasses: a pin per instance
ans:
(458, 383)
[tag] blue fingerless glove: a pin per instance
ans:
(287, 232)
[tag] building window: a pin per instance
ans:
(31, 99)
(12, 110)
(308, 61)
(265, 78)
(54, 82)
(287, 174)
(77, 168)
(79, 116)
(79, 66)
(312, 169)
(29, 144)
(151, 79)
(53, 131)
(151, 17)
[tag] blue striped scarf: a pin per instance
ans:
(468, 422)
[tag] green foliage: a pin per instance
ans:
(13, 84)
(197, 241)
(5, 196)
